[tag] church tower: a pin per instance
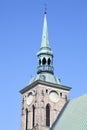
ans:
(45, 97)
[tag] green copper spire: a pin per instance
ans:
(45, 69)
(45, 40)
(45, 55)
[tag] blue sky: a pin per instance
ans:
(21, 23)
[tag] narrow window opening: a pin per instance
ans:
(48, 115)
(39, 61)
(49, 61)
(46, 90)
(66, 97)
(33, 124)
(60, 94)
(44, 61)
(26, 119)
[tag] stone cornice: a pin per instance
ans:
(34, 84)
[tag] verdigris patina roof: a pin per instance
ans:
(46, 77)
(74, 117)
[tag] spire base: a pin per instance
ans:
(48, 69)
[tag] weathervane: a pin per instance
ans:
(45, 8)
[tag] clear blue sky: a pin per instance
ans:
(21, 24)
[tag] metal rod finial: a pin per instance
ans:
(45, 8)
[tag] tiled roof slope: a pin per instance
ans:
(74, 116)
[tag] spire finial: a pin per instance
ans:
(45, 8)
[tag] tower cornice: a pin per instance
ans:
(34, 84)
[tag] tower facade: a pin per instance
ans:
(45, 96)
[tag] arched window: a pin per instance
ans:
(44, 61)
(49, 61)
(48, 115)
(33, 119)
(26, 119)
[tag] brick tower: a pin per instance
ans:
(45, 96)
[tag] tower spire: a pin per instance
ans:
(45, 55)
(45, 40)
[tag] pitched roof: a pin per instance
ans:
(74, 117)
